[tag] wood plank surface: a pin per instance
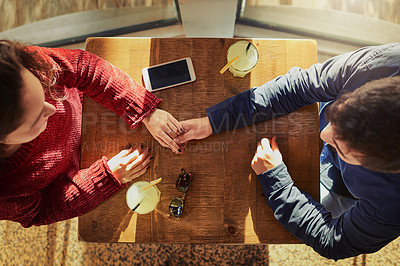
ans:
(225, 203)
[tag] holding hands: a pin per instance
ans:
(198, 128)
(267, 156)
(171, 133)
(164, 127)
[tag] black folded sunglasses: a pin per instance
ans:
(182, 184)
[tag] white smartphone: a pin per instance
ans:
(169, 74)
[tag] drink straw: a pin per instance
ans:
(248, 47)
(152, 183)
(227, 65)
(136, 206)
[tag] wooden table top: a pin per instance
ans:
(225, 203)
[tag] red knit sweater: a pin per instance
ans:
(42, 183)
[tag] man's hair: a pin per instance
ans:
(368, 121)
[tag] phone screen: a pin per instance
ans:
(169, 74)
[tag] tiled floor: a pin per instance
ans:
(57, 244)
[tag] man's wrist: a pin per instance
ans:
(208, 127)
(275, 178)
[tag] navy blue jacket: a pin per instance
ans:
(375, 220)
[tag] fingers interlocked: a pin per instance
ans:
(173, 129)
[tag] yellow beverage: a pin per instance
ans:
(140, 201)
(248, 57)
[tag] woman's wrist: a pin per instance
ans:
(146, 119)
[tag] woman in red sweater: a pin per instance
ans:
(40, 132)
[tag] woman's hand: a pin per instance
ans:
(267, 156)
(164, 128)
(129, 164)
(198, 128)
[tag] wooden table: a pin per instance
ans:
(225, 203)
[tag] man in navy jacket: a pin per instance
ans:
(359, 101)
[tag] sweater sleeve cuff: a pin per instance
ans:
(275, 179)
(104, 179)
(134, 117)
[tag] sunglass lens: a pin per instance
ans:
(184, 180)
(176, 207)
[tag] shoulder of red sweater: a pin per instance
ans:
(60, 53)
(61, 58)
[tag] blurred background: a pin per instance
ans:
(337, 25)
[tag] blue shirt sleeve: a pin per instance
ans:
(300, 87)
(355, 232)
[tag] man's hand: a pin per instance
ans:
(267, 156)
(129, 164)
(198, 128)
(164, 127)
